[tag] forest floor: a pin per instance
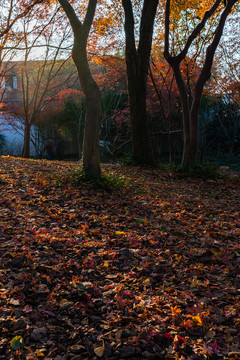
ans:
(148, 268)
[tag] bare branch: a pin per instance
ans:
(21, 15)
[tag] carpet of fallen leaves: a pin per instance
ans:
(150, 270)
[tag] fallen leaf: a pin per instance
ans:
(196, 320)
(16, 342)
(39, 353)
(99, 351)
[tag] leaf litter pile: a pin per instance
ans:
(148, 270)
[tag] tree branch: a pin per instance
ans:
(206, 70)
(166, 37)
(129, 26)
(89, 16)
(72, 16)
(198, 29)
(146, 34)
(24, 13)
(191, 37)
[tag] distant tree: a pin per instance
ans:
(163, 101)
(42, 78)
(10, 34)
(110, 73)
(67, 112)
(191, 108)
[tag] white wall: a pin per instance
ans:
(13, 132)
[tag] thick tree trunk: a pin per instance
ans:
(26, 145)
(137, 61)
(142, 150)
(91, 157)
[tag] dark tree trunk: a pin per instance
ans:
(185, 111)
(91, 158)
(142, 150)
(137, 61)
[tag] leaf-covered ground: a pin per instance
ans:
(149, 270)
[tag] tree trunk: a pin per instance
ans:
(26, 145)
(91, 158)
(190, 117)
(137, 61)
(142, 150)
(186, 160)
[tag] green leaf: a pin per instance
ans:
(16, 342)
(139, 221)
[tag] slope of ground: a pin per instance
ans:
(149, 270)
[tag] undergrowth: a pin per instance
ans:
(109, 181)
(112, 180)
(206, 171)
